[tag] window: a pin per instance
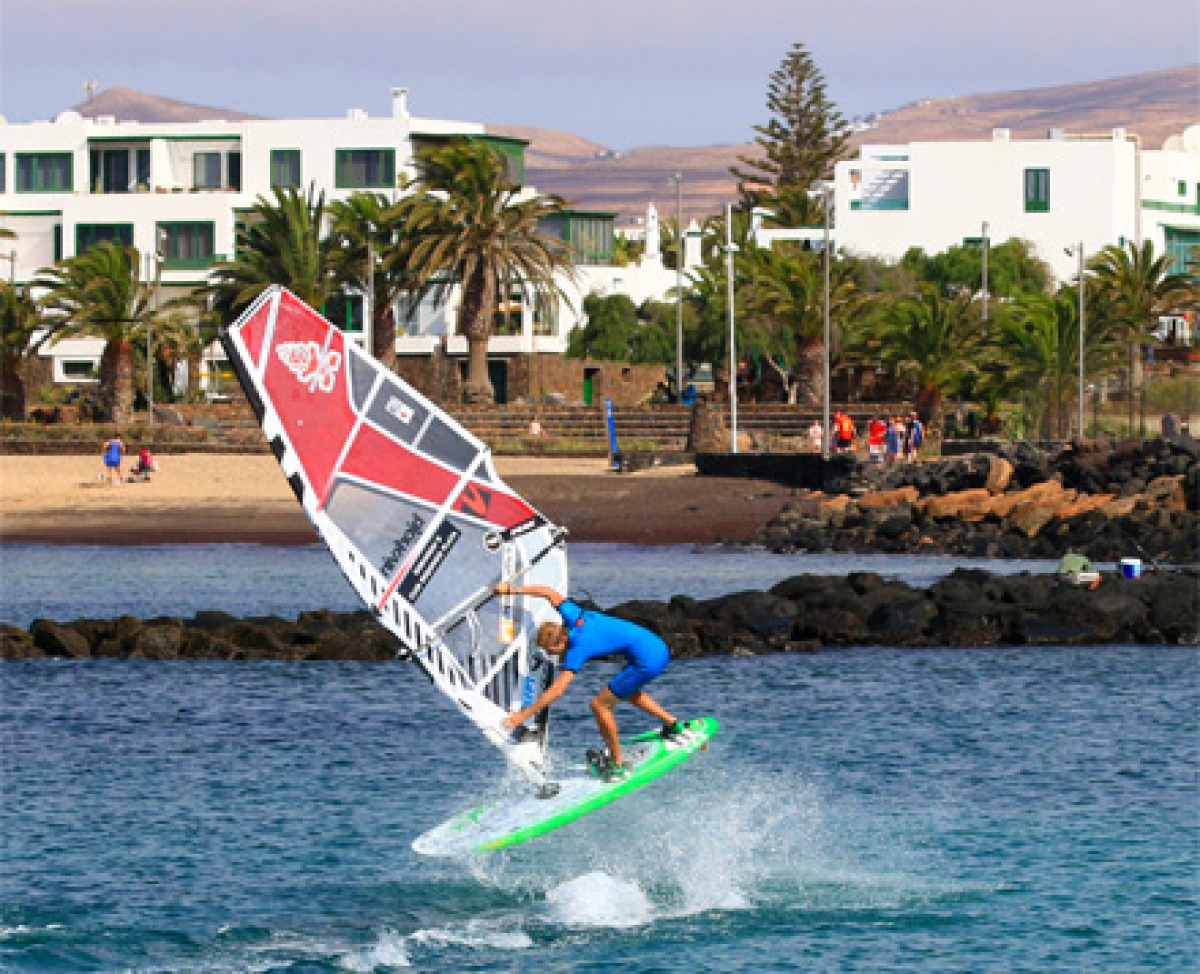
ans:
(345, 311)
(1037, 190)
(143, 168)
(78, 370)
(87, 235)
(285, 168)
(44, 172)
(366, 168)
(187, 245)
(206, 170)
(3, 173)
(234, 167)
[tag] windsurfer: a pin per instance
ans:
(583, 636)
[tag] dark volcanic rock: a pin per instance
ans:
(970, 607)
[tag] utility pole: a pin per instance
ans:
(730, 250)
(677, 179)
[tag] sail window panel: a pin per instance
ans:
(382, 527)
(395, 411)
(444, 443)
(362, 378)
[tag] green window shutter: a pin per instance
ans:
(87, 235)
(3, 173)
(1037, 190)
(44, 172)
(189, 245)
(285, 168)
(365, 168)
(233, 162)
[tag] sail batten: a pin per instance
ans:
(410, 506)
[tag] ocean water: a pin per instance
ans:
(66, 582)
(871, 809)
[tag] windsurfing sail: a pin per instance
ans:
(411, 507)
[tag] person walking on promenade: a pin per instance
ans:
(875, 435)
(111, 453)
(914, 436)
(893, 441)
(815, 436)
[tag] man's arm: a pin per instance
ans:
(554, 597)
(549, 695)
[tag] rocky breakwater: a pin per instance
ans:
(1099, 499)
(970, 607)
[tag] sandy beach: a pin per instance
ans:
(206, 498)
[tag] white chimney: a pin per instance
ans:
(356, 115)
(399, 103)
(1001, 135)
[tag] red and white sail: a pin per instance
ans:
(411, 507)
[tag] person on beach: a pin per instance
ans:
(893, 441)
(846, 432)
(875, 436)
(111, 453)
(146, 465)
(914, 436)
(535, 426)
(815, 436)
(585, 635)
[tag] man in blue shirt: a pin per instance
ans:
(583, 636)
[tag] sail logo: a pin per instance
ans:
(474, 500)
(400, 409)
(305, 361)
(400, 545)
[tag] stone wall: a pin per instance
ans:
(536, 378)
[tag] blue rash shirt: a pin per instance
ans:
(593, 634)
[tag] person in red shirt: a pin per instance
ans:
(875, 434)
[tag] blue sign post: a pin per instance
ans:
(614, 456)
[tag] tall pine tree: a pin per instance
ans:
(805, 136)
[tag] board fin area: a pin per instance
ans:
(509, 822)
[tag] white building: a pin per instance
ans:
(1053, 192)
(69, 183)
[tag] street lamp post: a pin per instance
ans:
(825, 192)
(730, 250)
(369, 297)
(985, 243)
(1082, 333)
(1077, 250)
(154, 260)
(677, 179)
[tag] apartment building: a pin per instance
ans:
(1054, 192)
(180, 189)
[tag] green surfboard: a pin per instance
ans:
(501, 824)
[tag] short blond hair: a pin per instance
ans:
(550, 634)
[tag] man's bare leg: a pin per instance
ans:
(643, 701)
(602, 709)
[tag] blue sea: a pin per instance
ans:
(869, 809)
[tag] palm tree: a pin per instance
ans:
(100, 294)
(927, 337)
(283, 242)
(22, 333)
(1139, 287)
(470, 226)
(368, 226)
(785, 298)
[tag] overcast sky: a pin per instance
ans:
(622, 72)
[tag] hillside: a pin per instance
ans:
(1154, 105)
